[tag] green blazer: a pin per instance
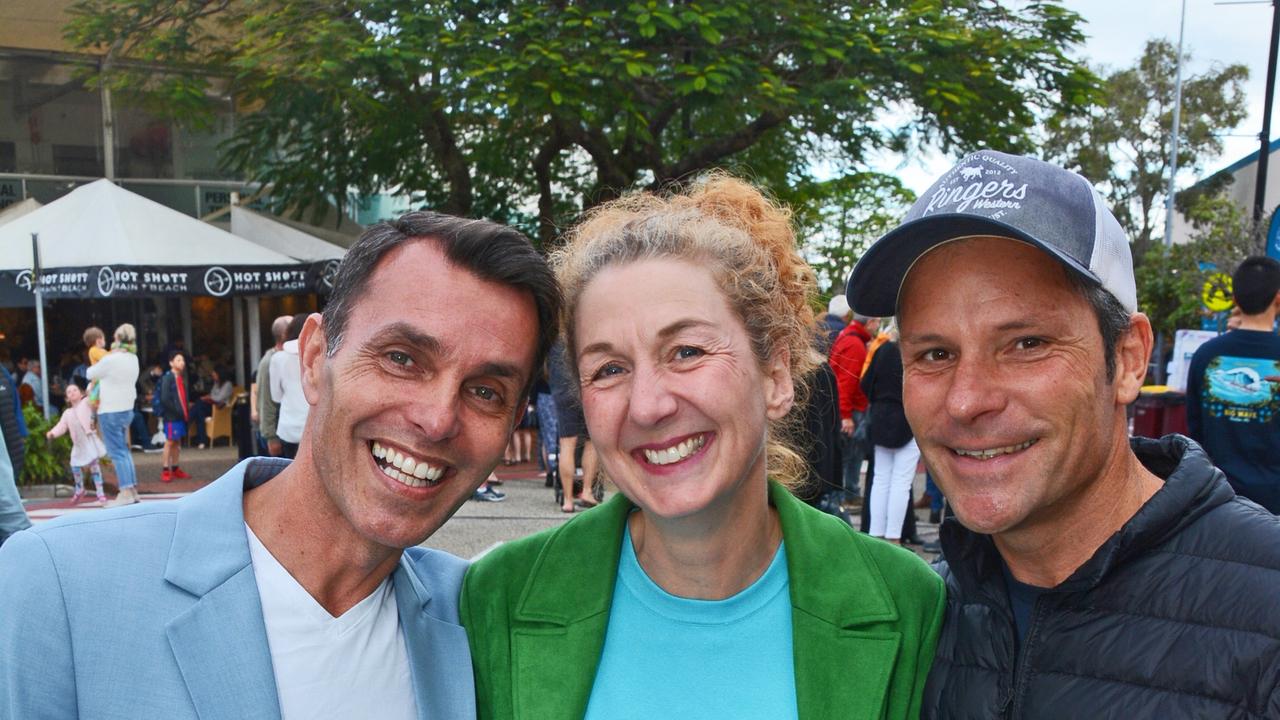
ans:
(864, 616)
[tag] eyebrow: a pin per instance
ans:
(1004, 327)
(665, 333)
(406, 333)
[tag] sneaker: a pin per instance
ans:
(180, 474)
(102, 500)
(77, 496)
(149, 449)
(488, 495)
(166, 476)
(127, 496)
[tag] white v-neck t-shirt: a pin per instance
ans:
(353, 666)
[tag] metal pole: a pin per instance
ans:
(1173, 145)
(44, 365)
(1264, 151)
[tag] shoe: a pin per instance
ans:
(166, 476)
(135, 446)
(127, 496)
(149, 449)
(180, 474)
(77, 496)
(488, 495)
(201, 446)
(584, 503)
(912, 540)
(102, 500)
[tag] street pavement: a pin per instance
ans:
(477, 528)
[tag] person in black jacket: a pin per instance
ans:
(1089, 575)
(896, 452)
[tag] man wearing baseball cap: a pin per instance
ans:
(1089, 574)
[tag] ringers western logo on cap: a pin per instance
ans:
(984, 185)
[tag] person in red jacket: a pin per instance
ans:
(848, 354)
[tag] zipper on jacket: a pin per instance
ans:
(1020, 671)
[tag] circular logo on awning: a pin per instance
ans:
(106, 281)
(217, 281)
(330, 273)
(24, 280)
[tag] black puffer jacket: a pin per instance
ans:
(1176, 616)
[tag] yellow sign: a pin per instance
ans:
(1217, 295)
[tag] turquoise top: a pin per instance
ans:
(671, 657)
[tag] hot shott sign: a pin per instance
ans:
(106, 281)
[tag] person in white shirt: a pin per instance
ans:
(285, 380)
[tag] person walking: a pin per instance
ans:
(117, 377)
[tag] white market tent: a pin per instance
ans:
(18, 209)
(101, 241)
(286, 238)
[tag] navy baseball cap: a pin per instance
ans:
(994, 193)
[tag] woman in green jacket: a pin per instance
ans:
(703, 589)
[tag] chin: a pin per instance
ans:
(983, 515)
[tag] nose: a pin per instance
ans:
(975, 390)
(436, 411)
(651, 398)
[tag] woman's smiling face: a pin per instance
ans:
(676, 402)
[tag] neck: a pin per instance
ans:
(1044, 552)
(1264, 322)
(714, 554)
(310, 537)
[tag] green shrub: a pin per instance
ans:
(48, 461)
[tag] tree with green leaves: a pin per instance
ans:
(497, 108)
(1122, 145)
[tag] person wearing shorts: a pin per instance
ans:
(174, 407)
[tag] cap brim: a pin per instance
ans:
(876, 280)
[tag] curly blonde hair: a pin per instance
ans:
(745, 239)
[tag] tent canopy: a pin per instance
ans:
(285, 238)
(102, 241)
(18, 209)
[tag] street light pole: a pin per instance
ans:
(1264, 151)
(1173, 145)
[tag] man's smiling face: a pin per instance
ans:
(1005, 381)
(414, 408)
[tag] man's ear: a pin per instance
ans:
(311, 353)
(779, 387)
(1133, 351)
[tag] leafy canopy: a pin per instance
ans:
(528, 111)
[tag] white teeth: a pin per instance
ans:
(993, 452)
(677, 452)
(404, 468)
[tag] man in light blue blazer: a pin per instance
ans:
(285, 589)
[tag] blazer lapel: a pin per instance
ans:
(561, 618)
(841, 660)
(221, 648)
(439, 656)
(220, 643)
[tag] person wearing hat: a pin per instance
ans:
(1089, 574)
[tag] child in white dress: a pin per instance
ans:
(86, 446)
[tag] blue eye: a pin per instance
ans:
(485, 393)
(399, 358)
(684, 352)
(609, 370)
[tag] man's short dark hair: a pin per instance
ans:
(489, 251)
(1255, 284)
(294, 331)
(1113, 319)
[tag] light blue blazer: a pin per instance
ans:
(152, 611)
